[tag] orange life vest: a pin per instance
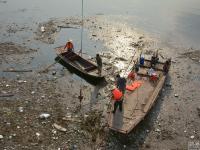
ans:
(117, 94)
(69, 45)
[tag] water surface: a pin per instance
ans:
(175, 22)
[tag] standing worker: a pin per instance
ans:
(117, 96)
(69, 45)
(137, 66)
(121, 83)
(142, 60)
(154, 59)
(167, 66)
(99, 63)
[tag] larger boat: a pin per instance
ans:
(139, 98)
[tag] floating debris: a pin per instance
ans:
(176, 95)
(42, 29)
(44, 116)
(60, 128)
(22, 81)
(21, 109)
(37, 134)
(192, 137)
(7, 85)
(157, 130)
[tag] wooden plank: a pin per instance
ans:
(156, 69)
(7, 95)
(158, 62)
(14, 70)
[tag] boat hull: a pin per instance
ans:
(92, 79)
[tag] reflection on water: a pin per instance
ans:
(174, 21)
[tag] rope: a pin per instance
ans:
(82, 29)
(81, 94)
(129, 64)
(49, 66)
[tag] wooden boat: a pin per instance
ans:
(137, 103)
(78, 65)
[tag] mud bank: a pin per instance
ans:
(193, 55)
(24, 101)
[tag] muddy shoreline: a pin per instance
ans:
(171, 124)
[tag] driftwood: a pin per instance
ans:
(13, 70)
(46, 69)
(7, 95)
(67, 27)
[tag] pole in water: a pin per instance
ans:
(82, 29)
(80, 97)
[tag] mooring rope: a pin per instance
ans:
(81, 92)
(82, 29)
(129, 63)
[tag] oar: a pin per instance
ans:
(51, 65)
(46, 69)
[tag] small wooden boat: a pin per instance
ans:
(138, 102)
(78, 65)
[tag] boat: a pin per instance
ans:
(77, 64)
(138, 102)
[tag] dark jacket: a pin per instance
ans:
(121, 84)
(99, 61)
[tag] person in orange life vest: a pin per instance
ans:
(69, 45)
(117, 97)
